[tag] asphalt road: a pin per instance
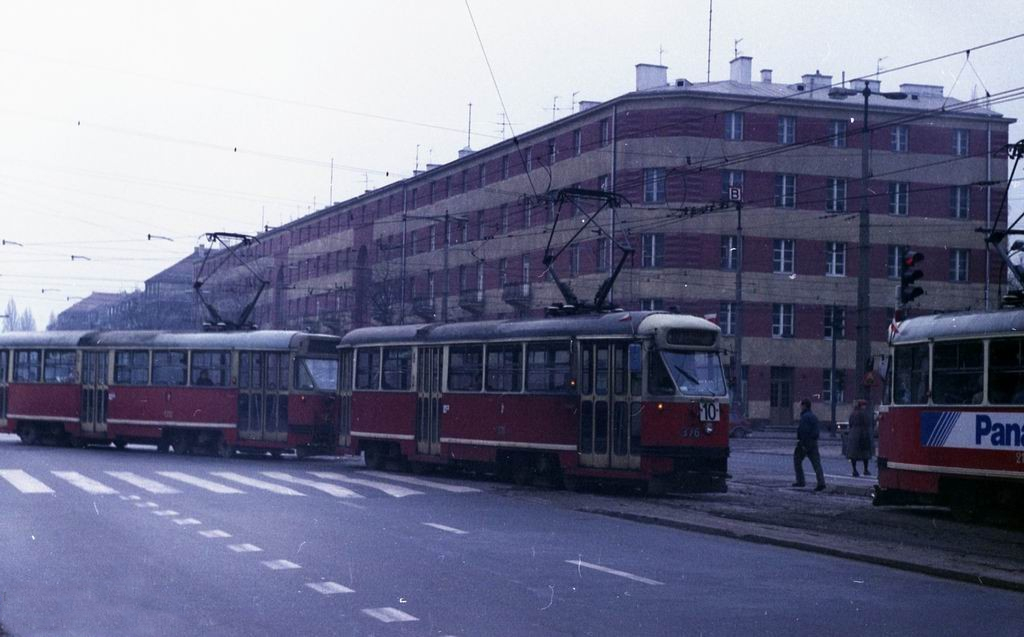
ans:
(101, 542)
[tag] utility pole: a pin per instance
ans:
(405, 234)
(447, 279)
(738, 314)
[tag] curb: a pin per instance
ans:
(978, 578)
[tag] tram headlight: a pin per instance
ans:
(709, 427)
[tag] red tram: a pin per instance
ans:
(250, 391)
(951, 431)
(622, 396)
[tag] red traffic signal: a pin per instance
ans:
(908, 276)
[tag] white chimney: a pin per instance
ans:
(924, 90)
(766, 76)
(817, 84)
(466, 152)
(873, 85)
(739, 69)
(651, 76)
(588, 104)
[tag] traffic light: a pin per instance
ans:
(908, 276)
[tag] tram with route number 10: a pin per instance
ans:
(218, 392)
(637, 397)
(951, 426)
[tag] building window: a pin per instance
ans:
(900, 139)
(835, 258)
(653, 250)
(834, 316)
(787, 129)
(652, 305)
(577, 142)
(961, 142)
(604, 183)
(504, 218)
(893, 260)
(826, 384)
(837, 133)
(729, 252)
(734, 126)
(899, 198)
(654, 185)
(503, 271)
(447, 189)
(782, 256)
(433, 238)
(606, 132)
(482, 176)
(552, 152)
(782, 320)
(527, 214)
(574, 260)
(958, 262)
(785, 191)
(727, 318)
(601, 245)
(960, 202)
(836, 194)
(480, 224)
(504, 167)
(731, 179)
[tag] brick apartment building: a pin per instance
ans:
(465, 240)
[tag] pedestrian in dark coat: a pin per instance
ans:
(859, 443)
(807, 433)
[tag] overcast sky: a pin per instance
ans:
(122, 119)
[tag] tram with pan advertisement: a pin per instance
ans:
(637, 397)
(218, 392)
(951, 429)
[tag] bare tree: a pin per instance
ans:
(10, 316)
(26, 322)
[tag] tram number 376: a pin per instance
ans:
(708, 411)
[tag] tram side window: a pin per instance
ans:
(211, 369)
(911, 374)
(465, 367)
(548, 367)
(131, 368)
(1006, 371)
(368, 368)
(169, 367)
(659, 381)
(397, 364)
(59, 366)
(504, 368)
(957, 373)
(27, 366)
(3, 367)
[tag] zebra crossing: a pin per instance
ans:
(347, 486)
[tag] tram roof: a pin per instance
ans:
(961, 325)
(610, 324)
(261, 339)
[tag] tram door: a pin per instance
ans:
(609, 404)
(345, 398)
(3, 387)
(428, 400)
(94, 392)
(263, 396)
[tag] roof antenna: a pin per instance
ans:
(736, 48)
(711, 5)
(469, 128)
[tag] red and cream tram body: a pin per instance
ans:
(637, 396)
(951, 429)
(250, 391)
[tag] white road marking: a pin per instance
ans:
(244, 548)
(147, 505)
(212, 533)
(165, 513)
(451, 488)
(143, 483)
(611, 571)
(23, 482)
(388, 615)
(393, 490)
(449, 529)
(329, 588)
(332, 489)
(134, 497)
(85, 484)
(187, 521)
(280, 565)
(256, 483)
(209, 485)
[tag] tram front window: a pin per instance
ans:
(316, 374)
(688, 373)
